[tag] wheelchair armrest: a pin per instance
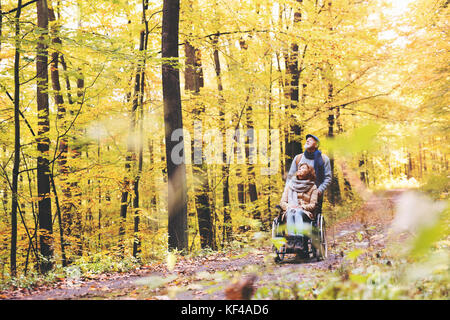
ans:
(316, 219)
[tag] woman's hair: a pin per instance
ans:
(310, 173)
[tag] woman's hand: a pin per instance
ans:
(309, 214)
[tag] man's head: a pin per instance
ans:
(312, 143)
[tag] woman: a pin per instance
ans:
(299, 200)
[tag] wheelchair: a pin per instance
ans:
(314, 246)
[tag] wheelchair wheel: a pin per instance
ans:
(274, 228)
(323, 247)
(280, 254)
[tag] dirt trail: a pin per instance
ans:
(207, 277)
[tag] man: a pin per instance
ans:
(319, 161)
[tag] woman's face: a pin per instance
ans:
(302, 171)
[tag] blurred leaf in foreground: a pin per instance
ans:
(360, 139)
(429, 235)
(171, 261)
(278, 242)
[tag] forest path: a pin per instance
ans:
(206, 277)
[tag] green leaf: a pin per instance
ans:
(171, 261)
(358, 278)
(360, 139)
(353, 255)
(278, 242)
(426, 238)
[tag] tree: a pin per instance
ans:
(293, 138)
(63, 141)
(139, 101)
(15, 177)
(227, 233)
(173, 120)
(193, 83)
(43, 141)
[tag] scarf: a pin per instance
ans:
(319, 167)
(298, 186)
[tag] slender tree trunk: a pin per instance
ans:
(75, 188)
(66, 77)
(268, 218)
(284, 124)
(227, 226)
(152, 157)
(139, 97)
(64, 210)
(253, 193)
(293, 145)
(99, 197)
(15, 174)
(43, 142)
(334, 190)
(173, 120)
(128, 184)
(420, 161)
(193, 83)
(240, 169)
(347, 185)
(250, 141)
(68, 204)
(61, 232)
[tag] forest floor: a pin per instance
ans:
(208, 276)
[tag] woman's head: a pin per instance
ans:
(306, 172)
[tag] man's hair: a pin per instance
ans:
(310, 173)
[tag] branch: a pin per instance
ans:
(343, 105)
(20, 112)
(15, 9)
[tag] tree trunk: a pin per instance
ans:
(176, 169)
(334, 190)
(127, 181)
(64, 210)
(420, 161)
(227, 226)
(43, 142)
(75, 213)
(293, 141)
(139, 96)
(268, 219)
(250, 140)
(284, 124)
(15, 173)
(193, 82)
(153, 192)
(240, 169)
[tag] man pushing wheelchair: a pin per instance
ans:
(301, 203)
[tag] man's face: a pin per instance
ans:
(311, 144)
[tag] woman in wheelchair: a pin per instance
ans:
(298, 204)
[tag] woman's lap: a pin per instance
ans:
(296, 219)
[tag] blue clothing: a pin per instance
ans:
(318, 165)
